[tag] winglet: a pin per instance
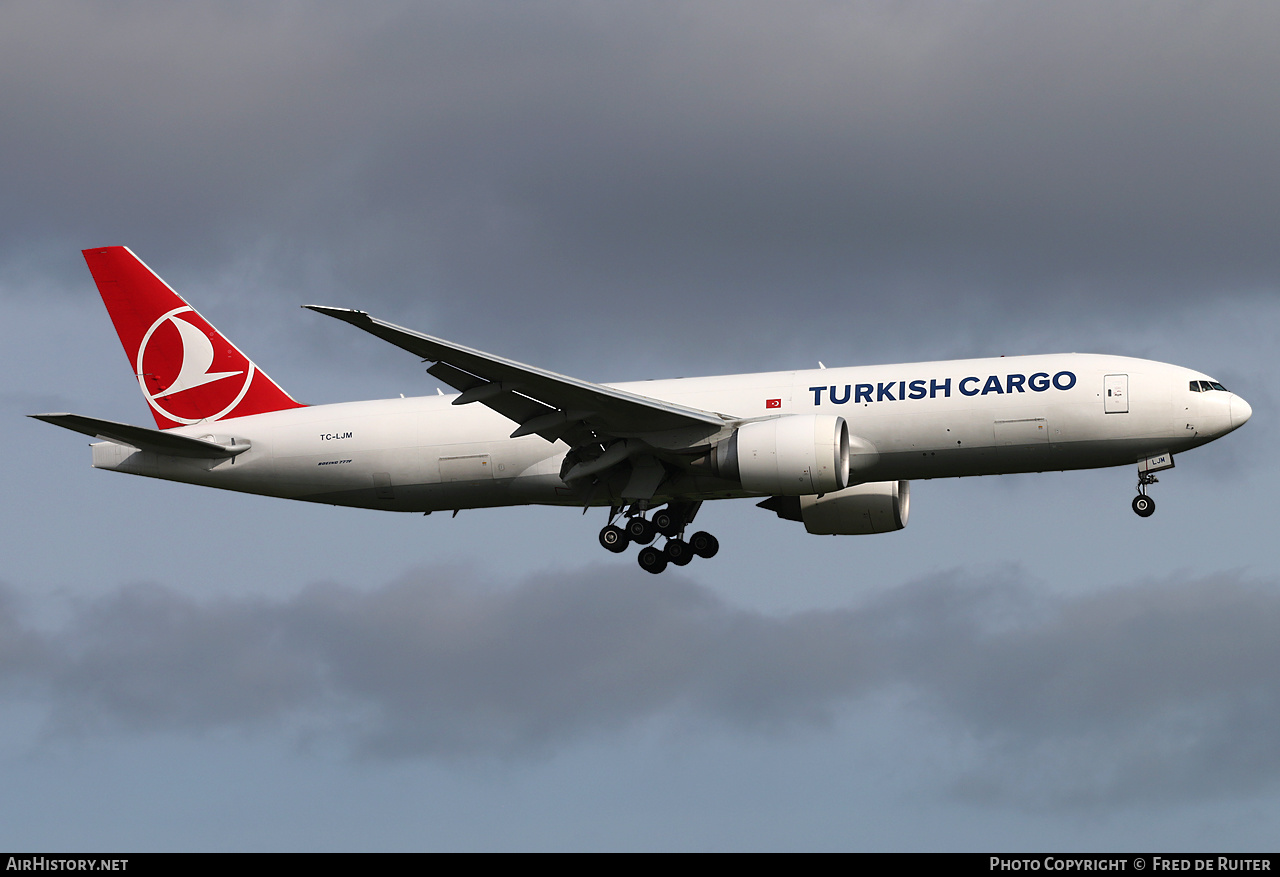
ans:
(347, 315)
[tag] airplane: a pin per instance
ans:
(832, 448)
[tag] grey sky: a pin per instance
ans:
(684, 158)
(1159, 691)
(621, 191)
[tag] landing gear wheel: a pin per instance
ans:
(704, 544)
(678, 551)
(641, 531)
(615, 539)
(1144, 505)
(652, 560)
(666, 522)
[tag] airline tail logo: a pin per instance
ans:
(177, 356)
(187, 370)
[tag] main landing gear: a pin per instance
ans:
(669, 523)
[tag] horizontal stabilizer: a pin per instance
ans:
(145, 439)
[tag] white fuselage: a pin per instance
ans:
(923, 420)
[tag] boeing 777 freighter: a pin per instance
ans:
(833, 448)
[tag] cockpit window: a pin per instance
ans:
(1217, 386)
(1195, 386)
(1206, 386)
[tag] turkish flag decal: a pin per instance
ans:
(772, 403)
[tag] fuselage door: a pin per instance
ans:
(472, 467)
(1115, 394)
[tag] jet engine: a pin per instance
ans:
(875, 507)
(790, 456)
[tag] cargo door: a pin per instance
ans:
(1025, 431)
(472, 467)
(1022, 445)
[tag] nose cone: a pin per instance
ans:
(1240, 411)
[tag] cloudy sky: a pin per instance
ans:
(620, 191)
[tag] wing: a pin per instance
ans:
(624, 442)
(551, 405)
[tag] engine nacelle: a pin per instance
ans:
(878, 507)
(789, 456)
(875, 507)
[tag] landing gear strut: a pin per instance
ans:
(668, 522)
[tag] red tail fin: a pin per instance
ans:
(187, 371)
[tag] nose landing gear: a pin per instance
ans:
(1144, 505)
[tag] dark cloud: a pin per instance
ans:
(820, 168)
(1163, 690)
